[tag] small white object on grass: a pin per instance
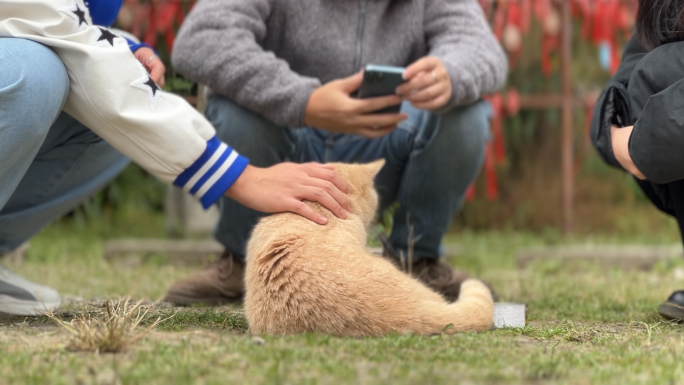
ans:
(678, 273)
(508, 314)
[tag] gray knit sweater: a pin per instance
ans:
(269, 55)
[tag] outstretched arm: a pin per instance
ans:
(112, 94)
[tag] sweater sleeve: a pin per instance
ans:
(656, 90)
(245, 73)
(458, 34)
(112, 94)
(613, 107)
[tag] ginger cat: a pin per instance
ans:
(304, 277)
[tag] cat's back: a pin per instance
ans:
(307, 235)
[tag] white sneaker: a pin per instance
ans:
(21, 297)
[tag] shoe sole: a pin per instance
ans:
(671, 311)
(10, 306)
(184, 300)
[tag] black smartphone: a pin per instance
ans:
(381, 81)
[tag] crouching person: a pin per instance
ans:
(281, 74)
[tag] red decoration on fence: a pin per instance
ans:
(512, 101)
(151, 19)
(490, 173)
(603, 21)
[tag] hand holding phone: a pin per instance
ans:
(330, 107)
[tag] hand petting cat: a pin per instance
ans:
(284, 186)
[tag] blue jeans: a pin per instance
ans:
(49, 162)
(431, 159)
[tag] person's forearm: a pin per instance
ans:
(620, 140)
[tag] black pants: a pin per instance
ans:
(668, 198)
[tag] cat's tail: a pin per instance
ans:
(474, 310)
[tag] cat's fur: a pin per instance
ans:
(304, 277)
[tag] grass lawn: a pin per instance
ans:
(585, 324)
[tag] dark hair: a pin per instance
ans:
(660, 22)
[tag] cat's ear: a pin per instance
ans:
(375, 167)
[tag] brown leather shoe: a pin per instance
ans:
(434, 274)
(442, 278)
(218, 284)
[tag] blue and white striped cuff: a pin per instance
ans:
(134, 45)
(213, 173)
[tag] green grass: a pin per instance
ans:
(585, 324)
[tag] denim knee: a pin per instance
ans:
(251, 134)
(466, 129)
(34, 85)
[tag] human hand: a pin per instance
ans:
(284, 186)
(428, 84)
(620, 141)
(331, 108)
(152, 64)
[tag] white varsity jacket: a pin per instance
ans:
(113, 95)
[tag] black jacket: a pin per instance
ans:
(648, 92)
(613, 105)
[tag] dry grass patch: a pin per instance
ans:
(112, 329)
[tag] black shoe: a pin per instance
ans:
(673, 308)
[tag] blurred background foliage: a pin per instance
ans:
(529, 190)
(529, 177)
